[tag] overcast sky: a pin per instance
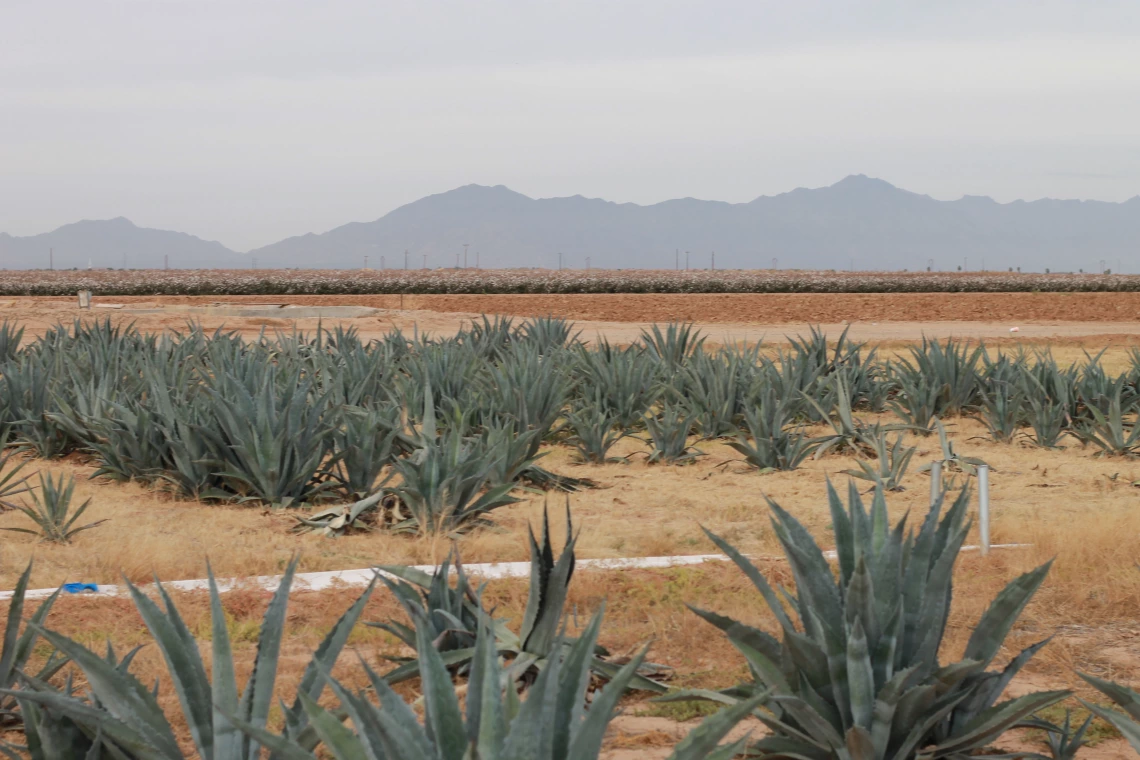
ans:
(247, 122)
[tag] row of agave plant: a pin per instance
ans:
(427, 434)
(851, 673)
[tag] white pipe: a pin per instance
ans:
(984, 507)
(935, 481)
(488, 570)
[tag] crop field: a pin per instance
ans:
(147, 446)
(230, 282)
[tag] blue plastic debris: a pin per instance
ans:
(79, 588)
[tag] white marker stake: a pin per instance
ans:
(935, 481)
(984, 507)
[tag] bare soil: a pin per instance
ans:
(1080, 318)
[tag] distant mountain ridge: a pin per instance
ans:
(115, 243)
(859, 221)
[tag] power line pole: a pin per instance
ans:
(686, 261)
(457, 261)
(405, 258)
(255, 262)
(476, 259)
(560, 261)
(166, 261)
(382, 267)
(51, 259)
(775, 263)
(676, 258)
(587, 263)
(713, 267)
(425, 261)
(366, 261)
(465, 254)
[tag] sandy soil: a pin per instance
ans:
(1092, 318)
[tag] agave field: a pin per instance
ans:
(221, 282)
(430, 436)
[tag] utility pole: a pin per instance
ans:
(587, 263)
(425, 261)
(686, 261)
(560, 261)
(775, 263)
(476, 259)
(124, 261)
(255, 262)
(382, 267)
(713, 266)
(465, 254)
(51, 259)
(166, 261)
(366, 261)
(676, 258)
(457, 261)
(405, 258)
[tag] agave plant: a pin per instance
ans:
(274, 435)
(848, 434)
(11, 484)
(1126, 722)
(770, 443)
(1002, 410)
(129, 717)
(341, 519)
(859, 676)
(450, 612)
(16, 651)
(553, 723)
(1107, 430)
(1048, 422)
(1064, 741)
(547, 334)
(714, 388)
(674, 346)
(368, 441)
(447, 486)
(916, 401)
(890, 464)
(622, 382)
(10, 339)
(669, 436)
(593, 432)
(51, 511)
(951, 367)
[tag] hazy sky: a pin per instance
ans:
(247, 122)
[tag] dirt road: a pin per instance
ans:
(1093, 318)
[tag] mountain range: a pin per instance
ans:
(859, 222)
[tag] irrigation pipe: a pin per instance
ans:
(486, 570)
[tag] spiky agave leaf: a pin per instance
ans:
(128, 713)
(859, 674)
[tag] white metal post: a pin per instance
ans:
(984, 507)
(935, 481)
